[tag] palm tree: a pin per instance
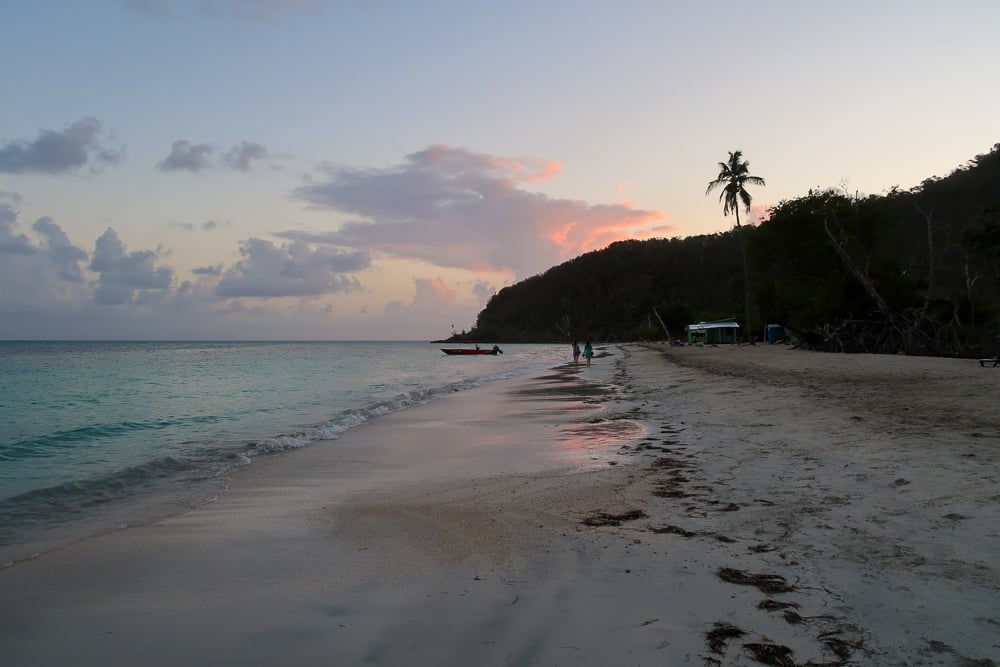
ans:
(734, 175)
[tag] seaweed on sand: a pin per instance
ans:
(841, 648)
(670, 487)
(675, 530)
(668, 463)
(607, 519)
(666, 490)
(771, 654)
(719, 636)
(768, 583)
(774, 605)
(794, 618)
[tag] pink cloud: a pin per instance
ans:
(532, 171)
(433, 290)
(759, 213)
(451, 207)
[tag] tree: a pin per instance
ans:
(734, 176)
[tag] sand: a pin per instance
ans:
(666, 506)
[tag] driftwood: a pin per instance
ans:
(877, 336)
(916, 330)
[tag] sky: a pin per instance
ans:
(376, 170)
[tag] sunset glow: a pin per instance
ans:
(326, 188)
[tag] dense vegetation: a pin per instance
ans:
(913, 271)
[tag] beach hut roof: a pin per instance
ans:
(718, 324)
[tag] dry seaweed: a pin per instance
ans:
(607, 519)
(668, 463)
(771, 654)
(675, 530)
(719, 636)
(775, 605)
(767, 583)
(666, 490)
(841, 647)
(793, 618)
(670, 488)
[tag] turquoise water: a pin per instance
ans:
(102, 434)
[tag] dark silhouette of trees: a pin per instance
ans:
(610, 294)
(913, 271)
(734, 176)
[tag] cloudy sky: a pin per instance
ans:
(351, 169)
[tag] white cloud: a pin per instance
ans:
(292, 269)
(242, 155)
(122, 273)
(186, 157)
(37, 275)
(81, 144)
(65, 257)
(484, 290)
(435, 307)
(443, 207)
(450, 207)
(11, 242)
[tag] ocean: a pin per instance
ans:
(95, 436)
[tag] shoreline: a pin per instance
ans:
(278, 552)
(833, 509)
(159, 473)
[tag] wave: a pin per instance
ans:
(350, 419)
(202, 461)
(50, 444)
(68, 501)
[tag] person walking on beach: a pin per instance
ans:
(576, 353)
(588, 352)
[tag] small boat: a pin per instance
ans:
(472, 350)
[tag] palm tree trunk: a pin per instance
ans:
(746, 278)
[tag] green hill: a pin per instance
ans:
(914, 271)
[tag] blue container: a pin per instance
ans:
(774, 332)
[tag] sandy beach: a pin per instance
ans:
(666, 506)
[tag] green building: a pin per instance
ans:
(713, 333)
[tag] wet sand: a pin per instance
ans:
(731, 506)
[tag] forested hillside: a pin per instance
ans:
(914, 271)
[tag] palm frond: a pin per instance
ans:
(734, 175)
